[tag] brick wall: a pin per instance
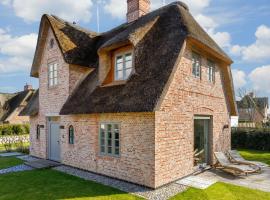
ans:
(38, 146)
(136, 161)
(185, 97)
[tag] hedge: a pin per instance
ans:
(257, 139)
(14, 129)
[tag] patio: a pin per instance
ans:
(254, 181)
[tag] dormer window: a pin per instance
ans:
(123, 66)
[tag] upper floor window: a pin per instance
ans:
(211, 71)
(109, 139)
(123, 66)
(196, 65)
(52, 71)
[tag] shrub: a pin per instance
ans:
(14, 129)
(258, 139)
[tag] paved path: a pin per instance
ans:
(162, 193)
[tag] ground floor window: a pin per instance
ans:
(38, 132)
(71, 135)
(109, 139)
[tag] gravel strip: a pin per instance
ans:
(162, 193)
(17, 168)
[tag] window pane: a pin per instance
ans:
(116, 151)
(109, 150)
(102, 149)
(119, 75)
(51, 82)
(119, 59)
(119, 66)
(128, 64)
(55, 81)
(50, 68)
(55, 66)
(128, 57)
(116, 143)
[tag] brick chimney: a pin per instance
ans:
(27, 87)
(136, 9)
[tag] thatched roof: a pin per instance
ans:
(157, 38)
(13, 102)
(31, 109)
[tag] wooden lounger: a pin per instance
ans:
(225, 164)
(235, 157)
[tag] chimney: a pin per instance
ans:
(136, 9)
(27, 87)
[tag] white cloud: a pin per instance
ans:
(259, 50)
(239, 78)
(31, 10)
(259, 78)
(116, 8)
(16, 52)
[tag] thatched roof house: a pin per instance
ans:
(134, 102)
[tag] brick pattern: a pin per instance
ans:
(185, 97)
(136, 161)
(136, 9)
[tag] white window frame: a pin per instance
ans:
(196, 65)
(124, 69)
(52, 74)
(106, 139)
(211, 71)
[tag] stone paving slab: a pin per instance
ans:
(10, 154)
(197, 182)
(162, 193)
(259, 181)
(27, 158)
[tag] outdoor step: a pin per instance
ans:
(42, 164)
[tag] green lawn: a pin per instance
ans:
(6, 162)
(262, 156)
(222, 191)
(50, 184)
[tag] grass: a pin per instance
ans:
(6, 162)
(50, 184)
(255, 155)
(222, 191)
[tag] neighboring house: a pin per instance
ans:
(253, 111)
(12, 104)
(134, 102)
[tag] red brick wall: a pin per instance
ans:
(185, 97)
(136, 161)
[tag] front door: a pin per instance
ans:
(201, 139)
(54, 141)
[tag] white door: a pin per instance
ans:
(54, 141)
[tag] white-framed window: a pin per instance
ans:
(52, 74)
(123, 66)
(109, 139)
(211, 71)
(196, 65)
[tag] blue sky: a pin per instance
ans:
(241, 28)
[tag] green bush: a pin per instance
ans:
(258, 139)
(14, 129)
